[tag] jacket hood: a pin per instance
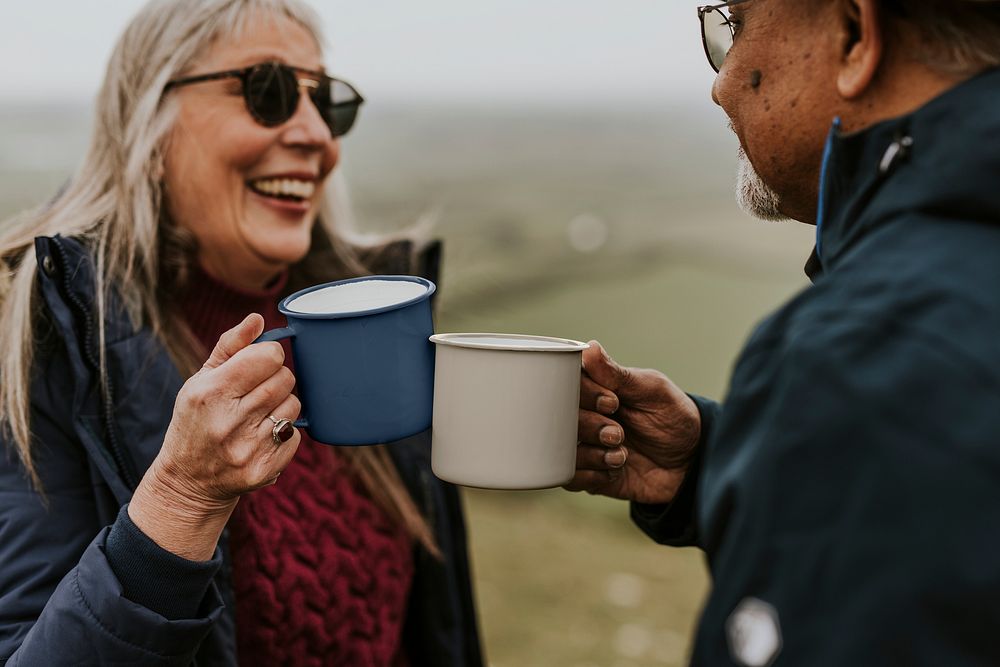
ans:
(941, 160)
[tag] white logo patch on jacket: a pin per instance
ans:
(754, 633)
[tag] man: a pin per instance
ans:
(848, 492)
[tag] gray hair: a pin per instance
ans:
(960, 37)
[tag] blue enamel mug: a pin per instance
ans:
(364, 366)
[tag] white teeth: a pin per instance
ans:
(285, 186)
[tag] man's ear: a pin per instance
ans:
(862, 47)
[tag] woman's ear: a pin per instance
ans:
(863, 47)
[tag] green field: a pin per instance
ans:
(677, 281)
(564, 579)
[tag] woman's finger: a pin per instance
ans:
(235, 339)
(248, 368)
(275, 457)
(265, 398)
(288, 409)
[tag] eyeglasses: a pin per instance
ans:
(718, 32)
(271, 93)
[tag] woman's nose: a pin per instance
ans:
(307, 127)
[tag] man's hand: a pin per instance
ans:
(638, 432)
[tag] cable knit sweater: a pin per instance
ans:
(321, 574)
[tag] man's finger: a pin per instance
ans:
(596, 398)
(589, 457)
(595, 429)
(591, 481)
(235, 340)
(603, 370)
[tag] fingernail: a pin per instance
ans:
(615, 458)
(612, 435)
(607, 404)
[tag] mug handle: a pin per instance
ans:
(273, 336)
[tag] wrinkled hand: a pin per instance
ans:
(638, 432)
(218, 444)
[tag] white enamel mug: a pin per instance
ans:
(505, 410)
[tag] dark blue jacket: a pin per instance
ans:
(848, 494)
(61, 602)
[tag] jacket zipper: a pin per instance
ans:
(108, 394)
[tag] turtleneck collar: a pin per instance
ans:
(936, 158)
(212, 307)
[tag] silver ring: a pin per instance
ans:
(279, 427)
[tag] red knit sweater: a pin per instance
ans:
(321, 574)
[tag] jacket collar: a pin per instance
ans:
(931, 161)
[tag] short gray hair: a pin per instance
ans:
(956, 36)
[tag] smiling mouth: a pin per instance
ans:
(285, 189)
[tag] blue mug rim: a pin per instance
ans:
(283, 305)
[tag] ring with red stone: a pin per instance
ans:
(282, 431)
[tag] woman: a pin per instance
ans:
(140, 518)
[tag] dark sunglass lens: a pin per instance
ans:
(272, 93)
(718, 37)
(338, 103)
(341, 118)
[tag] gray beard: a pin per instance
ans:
(754, 195)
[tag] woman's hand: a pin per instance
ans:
(219, 443)
(638, 431)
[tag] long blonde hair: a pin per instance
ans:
(114, 203)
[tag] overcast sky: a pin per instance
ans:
(540, 51)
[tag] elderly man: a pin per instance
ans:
(848, 491)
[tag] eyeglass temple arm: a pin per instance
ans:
(214, 76)
(706, 8)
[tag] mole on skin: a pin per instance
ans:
(755, 77)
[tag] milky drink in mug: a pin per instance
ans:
(364, 367)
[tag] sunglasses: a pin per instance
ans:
(271, 92)
(717, 32)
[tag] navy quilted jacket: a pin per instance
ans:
(848, 492)
(60, 601)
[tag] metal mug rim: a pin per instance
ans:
(287, 312)
(449, 340)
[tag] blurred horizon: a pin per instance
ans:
(436, 50)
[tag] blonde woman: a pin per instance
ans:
(141, 516)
